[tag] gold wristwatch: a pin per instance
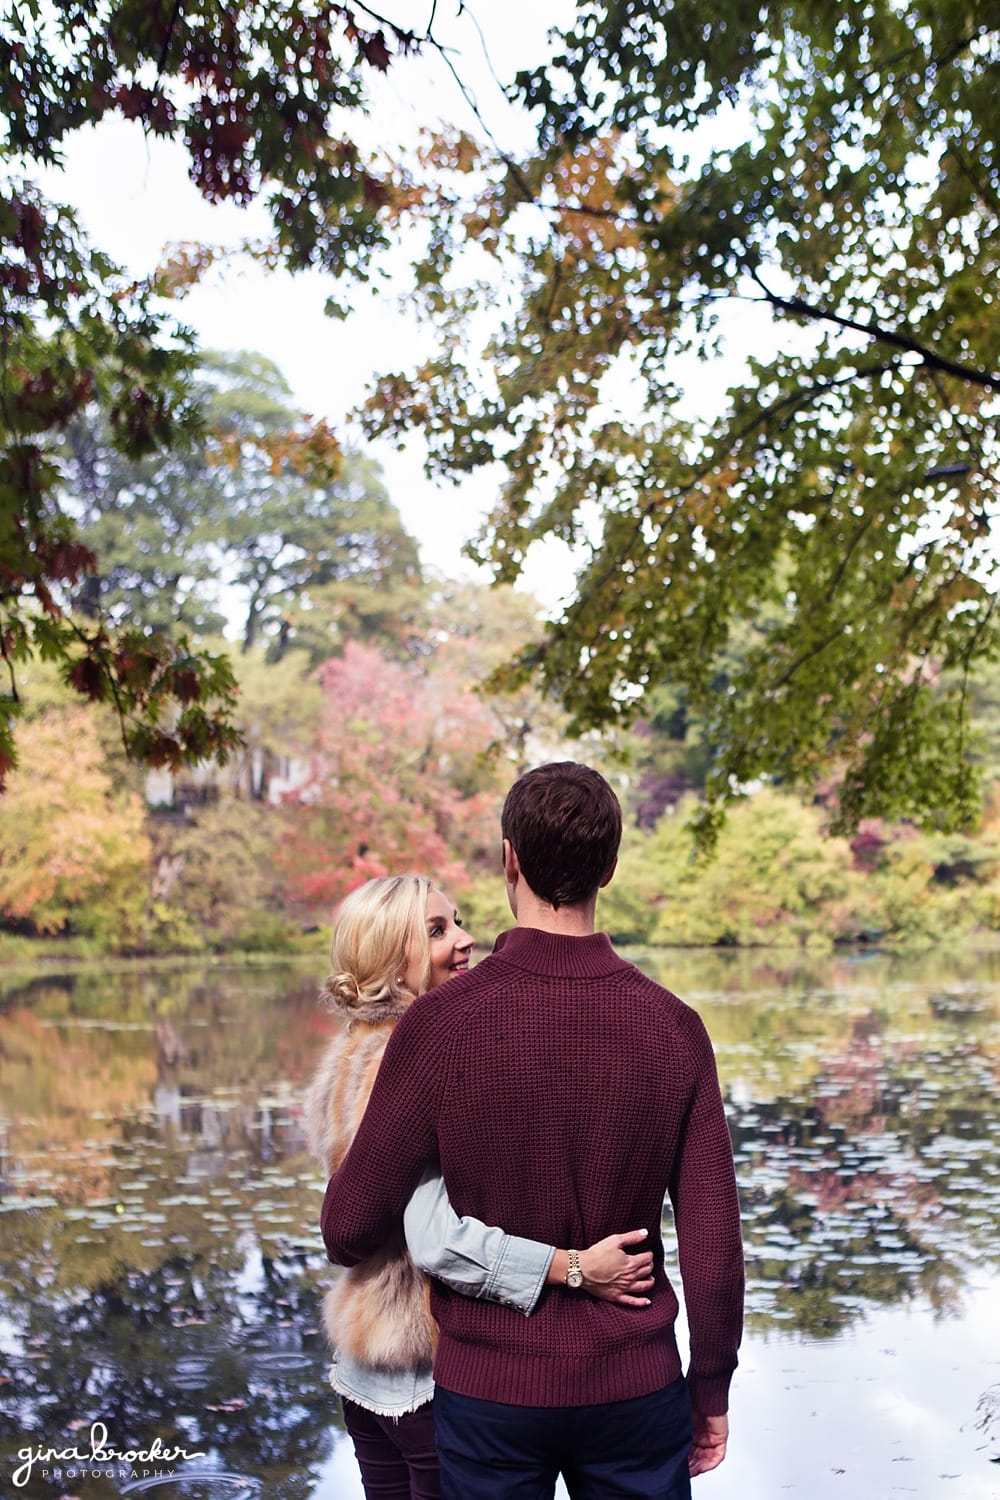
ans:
(574, 1276)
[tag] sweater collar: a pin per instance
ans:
(551, 953)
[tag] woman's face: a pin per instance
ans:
(450, 945)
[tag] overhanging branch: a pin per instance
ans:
(880, 335)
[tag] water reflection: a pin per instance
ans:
(160, 1261)
(867, 1138)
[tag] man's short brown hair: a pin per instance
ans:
(565, 824)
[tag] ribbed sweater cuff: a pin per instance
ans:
(710, 1393)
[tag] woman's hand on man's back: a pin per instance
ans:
(614, 1274)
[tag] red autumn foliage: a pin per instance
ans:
(374, 51)
(397, 782)
(87, 677)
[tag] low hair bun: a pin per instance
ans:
(341, 992)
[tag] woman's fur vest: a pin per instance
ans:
(377, 1312)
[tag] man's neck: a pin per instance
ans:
(563, 921)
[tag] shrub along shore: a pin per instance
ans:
(776, 880)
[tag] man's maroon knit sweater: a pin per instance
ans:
(566, 1095)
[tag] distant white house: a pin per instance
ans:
(254, 775)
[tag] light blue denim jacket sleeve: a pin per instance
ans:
(468, 1255)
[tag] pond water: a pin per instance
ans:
(160, 1259)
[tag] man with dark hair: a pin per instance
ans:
(565, 1095)
(565, 823)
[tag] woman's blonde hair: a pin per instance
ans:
(373, 930)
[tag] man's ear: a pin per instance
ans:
(609, 876)
(511, 867)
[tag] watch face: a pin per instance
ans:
(574, 1278)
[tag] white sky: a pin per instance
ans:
(134, 196)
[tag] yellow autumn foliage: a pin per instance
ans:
(74, 853)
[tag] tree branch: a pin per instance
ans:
(838, 577)
(981, 188)
(90, 642)
(165, 49)
(465, 10)
(815, 650)
(512, 166)
(916, 615)
(13, 695)
(883, 65)
(880, 335)
(399, 32)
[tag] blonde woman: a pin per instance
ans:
(393, 939)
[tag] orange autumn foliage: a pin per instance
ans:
(70, 841)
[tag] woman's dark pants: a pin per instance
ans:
(396, 1455)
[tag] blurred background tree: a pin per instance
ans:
(261, 99)
(74, 847)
